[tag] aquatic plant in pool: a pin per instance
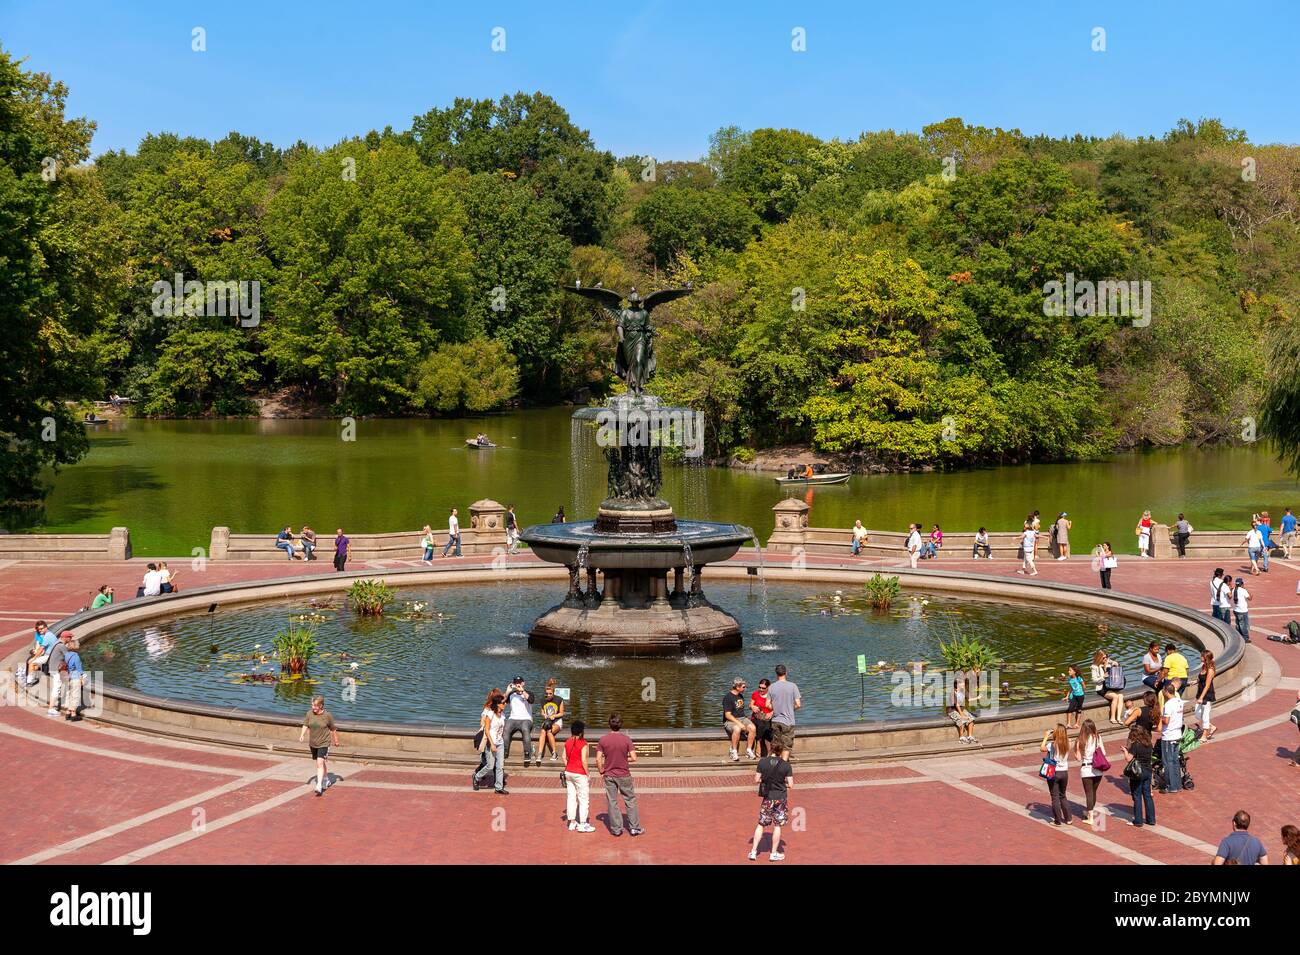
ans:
(882, 590)
(370, 597)
(294, 647)
(435, 668)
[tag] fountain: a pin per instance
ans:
(619, 601)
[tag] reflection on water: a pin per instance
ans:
(438, 670)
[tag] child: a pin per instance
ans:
(1074, 711)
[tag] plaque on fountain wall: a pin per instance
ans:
(635, 571)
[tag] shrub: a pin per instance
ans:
(882, 591)
(294, 647)
(744, 455)
(369, 597)
(968, 653)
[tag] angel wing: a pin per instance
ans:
(667, 295)
(605, 296)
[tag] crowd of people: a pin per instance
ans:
(56, 658)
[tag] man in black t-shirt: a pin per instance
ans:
(734, 721)
(774, 777)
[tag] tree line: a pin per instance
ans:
(882, 297)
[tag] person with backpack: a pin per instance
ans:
(1108, 681)
(1137, 770)
(1056, 771)
(774, 776)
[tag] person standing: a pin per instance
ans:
(1241, 607)
(1288, 533)
(785, 700)
(913, 543)
(1240, 847)
(341, 544)
(559, 515)
(1107, 562)
(1254, 544)
(1062, 528)
(1138, 751)
(1216, 595)
(512, 531)
(73, 679)
(1171, 734)
(734, 721)
(55, 666)
(1205, 696)
(1036, 525)
(519, 718)
(859, 537)
(1056, 746)
(1266, 540)
(1290, 845)
(1295, 718)
(760, 711)
(1086, 748)
(427, 543)
(614, 756)
(319, 730)
(577, 779)
(774, 776)
(492, 725)
(1073, 697)
(1182, 534)
(1029, 548)
(453, 533)
(1143, 531)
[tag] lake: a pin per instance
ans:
(170, 482)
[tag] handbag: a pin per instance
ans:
(1099, 760)
(478, 741)
(1133, 770)
(1048, 769)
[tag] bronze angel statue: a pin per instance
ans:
(635, 359)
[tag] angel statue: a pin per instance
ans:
(635, 359)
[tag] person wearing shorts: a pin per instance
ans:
(320, 725)
(774, 776)
(734, 721)
(785, 699)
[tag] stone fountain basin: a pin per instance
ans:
(709, 541)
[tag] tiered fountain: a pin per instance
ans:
(620, 601)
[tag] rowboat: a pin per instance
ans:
(475, 446)
(837, 477)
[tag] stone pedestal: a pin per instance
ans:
(119, 544)
(219, 546)
(790, 533)
(485, 531)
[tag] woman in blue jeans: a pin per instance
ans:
(1139, 749)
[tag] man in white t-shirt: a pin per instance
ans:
(151, 586)
(453, 533)
(1171, 733)
(913, 543)
(519, 718)
(1241, 607)
(1028, 543)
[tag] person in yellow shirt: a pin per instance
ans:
(1175, 667)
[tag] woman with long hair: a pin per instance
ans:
(1086, 748)
(1114, 696)
(1138, 750)
(1205, 695)
(492, 724)
(1291, 842)
(1056, 745)
(552, 722)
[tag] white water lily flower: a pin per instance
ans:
(355, 666)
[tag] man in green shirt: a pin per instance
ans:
(321, 726)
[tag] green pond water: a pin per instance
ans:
(438, 670)
(170, 482)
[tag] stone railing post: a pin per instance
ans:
(487, 527)
(119, 544)
(790, 533)
(1162, 544)
(219, 546)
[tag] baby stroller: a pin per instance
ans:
(1186, 745)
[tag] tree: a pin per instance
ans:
(42, 355)
(684, 219)
(373, 272)
(477, 375)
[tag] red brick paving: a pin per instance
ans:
(916, 822)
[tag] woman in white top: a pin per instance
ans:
(492, 723)
(1085, 749)
(1143, 531)
(1057, 743)
(427, 543)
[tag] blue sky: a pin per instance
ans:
(657, 78)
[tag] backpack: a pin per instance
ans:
(1114, 677)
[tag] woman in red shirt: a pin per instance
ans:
(761, 713)
(576, 779)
